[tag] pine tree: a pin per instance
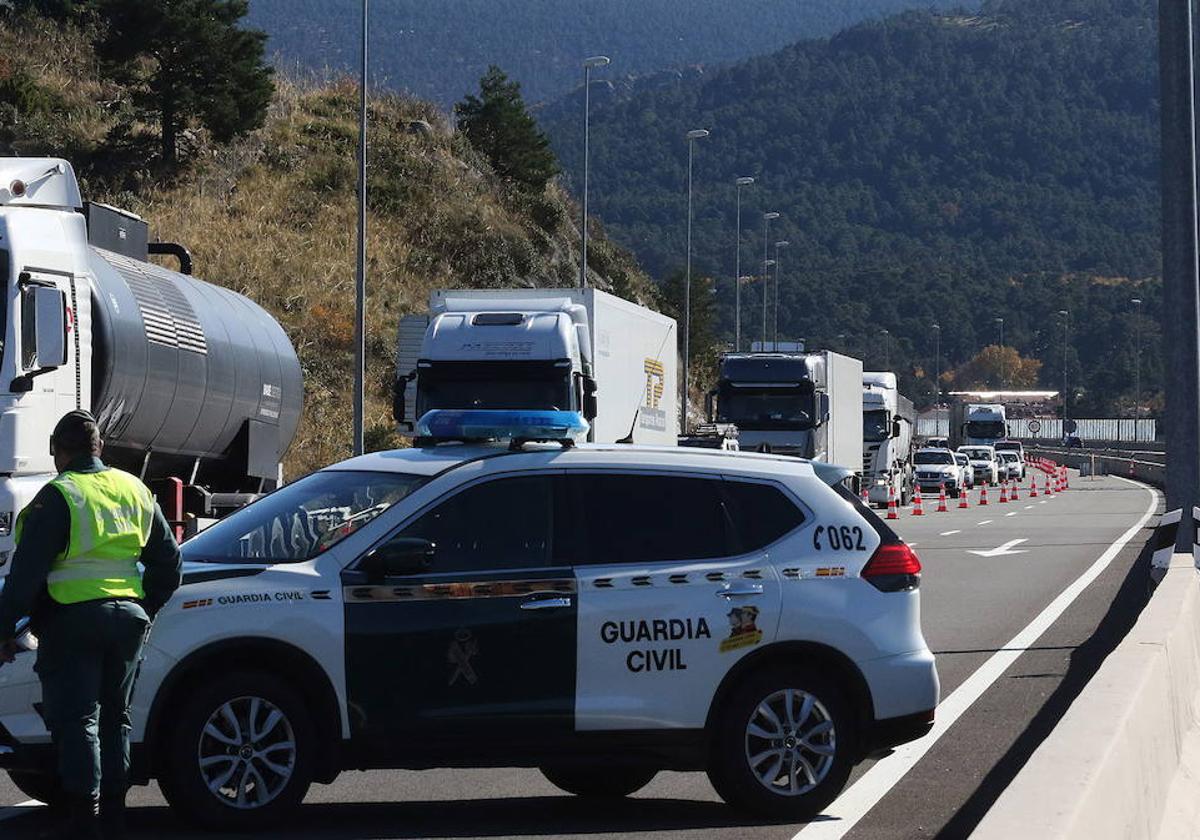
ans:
(498, 124)
(190, 62)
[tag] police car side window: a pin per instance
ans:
(646, 518)
(498, 524)
(762, 513)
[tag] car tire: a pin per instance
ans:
(232, 704)
(740, 735)
(44, 787)
(600, 782)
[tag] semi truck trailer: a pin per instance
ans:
(568, 349)
(195, 388)
(888, 423)
(804, 404)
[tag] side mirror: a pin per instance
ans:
(590, 406)
(397, 557)
(896, 427)
(823, 409)
(399, 386)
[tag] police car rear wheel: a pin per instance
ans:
(602, 782)
(782, 745)
(241, 756)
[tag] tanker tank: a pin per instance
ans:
(189, 377)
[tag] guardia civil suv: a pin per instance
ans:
(601, 612)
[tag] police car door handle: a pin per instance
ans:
(533, 602)
(746, 589)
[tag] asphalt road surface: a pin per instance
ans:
(1021, 602)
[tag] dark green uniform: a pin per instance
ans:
(89, 650)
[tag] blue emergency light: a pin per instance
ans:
(501, 424)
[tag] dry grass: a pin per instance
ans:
(273, 216)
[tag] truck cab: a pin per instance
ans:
(985, 424)
(887, 439)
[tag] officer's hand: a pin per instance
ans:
(8, 650)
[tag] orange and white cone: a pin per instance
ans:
(941, 508)
(1049, 491)
(983, 496)
(1013, 496)
(892, 514)
(1033, 486)
(1066, 478)
(1004, 492)
(866, 497)
(918, 507)
(964, 498)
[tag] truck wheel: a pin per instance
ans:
(599, 782)
(783, 744)
(44, 787)
(240, 754)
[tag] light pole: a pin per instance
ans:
(692, 137)
(766, 278)
(744, 181)
(937, 364)
(360, 271)
(768, 217)
(588, 64)
(782, 243)
(1066, 316)
(887, 349)
(1137, 364)
(1000, 321)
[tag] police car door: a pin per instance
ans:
(479, 644)
(668, 601)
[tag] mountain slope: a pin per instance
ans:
(439, 50)
(929, 168)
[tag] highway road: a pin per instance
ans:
(1021, 602)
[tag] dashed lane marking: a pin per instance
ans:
(986, 522)
(1013, 513)
(863, 795)
(1027, 507)
(948, 533)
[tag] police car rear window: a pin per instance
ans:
(303, 519)
(762, 513)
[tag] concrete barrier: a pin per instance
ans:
(1150, 468)
(1107, 769)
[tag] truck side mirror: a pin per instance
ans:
(590, 408)
(823, 408)
(399, 386)
(710, 405)
(896, 427)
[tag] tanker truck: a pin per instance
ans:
(195, 388)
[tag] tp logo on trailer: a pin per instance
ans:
(651, 416)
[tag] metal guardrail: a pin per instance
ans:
(1108, 462)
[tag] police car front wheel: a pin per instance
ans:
(782, 745)
(241, 754)
(599, 782)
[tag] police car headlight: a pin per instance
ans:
(6, 520)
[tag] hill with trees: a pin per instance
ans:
(270, 211)
(438, 50)
(929, 168)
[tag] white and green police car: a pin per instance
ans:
(601, 612)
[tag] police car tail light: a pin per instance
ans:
(894, 567)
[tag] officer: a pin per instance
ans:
(75, 572)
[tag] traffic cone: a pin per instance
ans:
(983, 496)
(918, 508)
(1049, 491)
(964, 498)
(892, 514)
(1004, 492)
(1013, 496)
(866, 497)
(941, 508)
(1066, 478)
(1033, 486)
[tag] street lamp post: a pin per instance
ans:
(937, 364)
(692, 137)
(887, 349)
(1066, 316)
(360, 270)
(588, 64)
(768, 217)
(782, 243)
(1000, 321)
(744, 181)
(1137, 364)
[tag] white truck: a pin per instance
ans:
(888, 423)
(977, 424)
(196, 388)
(569, 349)
(804, 404)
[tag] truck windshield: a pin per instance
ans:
(756, 407)
(302, 519)
(986, 429)
(537, 385)
(933, 458)
(876, 426)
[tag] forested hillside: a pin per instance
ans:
(439, 50)
(949, 168)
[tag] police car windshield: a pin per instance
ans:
(302, 519)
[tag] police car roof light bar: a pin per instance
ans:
(516, 425)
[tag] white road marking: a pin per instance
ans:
(986, 522)
(7, 813)
(911, 545)
(1014, 513)
(1027, 507)
(948, 533)
(1003, 550)
(862, 796)
(1042, 502)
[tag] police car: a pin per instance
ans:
(601, 612)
